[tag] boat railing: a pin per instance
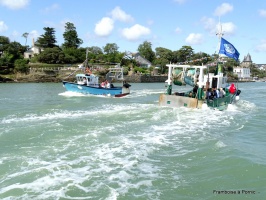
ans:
(116, 73)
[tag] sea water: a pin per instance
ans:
(61, 145)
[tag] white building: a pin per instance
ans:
(32, 51)
(243, 73)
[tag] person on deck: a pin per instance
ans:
(222, 92)
(217, 93)
(107, 84)
(232, 88)
(84, 81)
(103, 84)
(213, 93)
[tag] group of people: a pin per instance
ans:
(214, 93)
(105, 84)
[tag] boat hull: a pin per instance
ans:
(184, 101)
(84, 89)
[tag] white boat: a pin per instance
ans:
(208, 89)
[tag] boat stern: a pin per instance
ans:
(179, 101)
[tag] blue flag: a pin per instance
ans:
(228, 49)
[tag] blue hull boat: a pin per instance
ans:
(96, 89)
(89, 84)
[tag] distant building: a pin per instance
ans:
(141, 60)
(261, 66)
(247, 61)
(34, 50)
(243, 71)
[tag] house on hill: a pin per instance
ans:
(32, 51)
(143, 62)
(261, 66)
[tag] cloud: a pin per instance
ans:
(14, 4)
(178, 30)
(120, 15)
(261, 47)
(135, 32)
(228, 28)
(223, 9)
(104, 27)
(262, 13)
(3, 26)
(194, 38)
(213, 27)
(34, 34)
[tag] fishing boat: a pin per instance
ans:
(88, 83)
(207, 89)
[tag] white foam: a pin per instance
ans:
(220, 144)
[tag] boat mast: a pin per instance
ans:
(219, 33)
(86, 61)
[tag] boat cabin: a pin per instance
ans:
(215, 81)
(87, 79)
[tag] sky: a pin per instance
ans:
(169, 24)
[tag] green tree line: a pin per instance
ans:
(12, 53)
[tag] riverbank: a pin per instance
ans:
(53, 77)
(56, 76)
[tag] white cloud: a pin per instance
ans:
(261, 47)
(262, 13)
(104, 27)
(34, 34)
(135, 32)
(194, 38)
(120, 15)
(3, 26)
(213, 27)
(178, 30)
(14, 4)
(227, 28)
(223, 9)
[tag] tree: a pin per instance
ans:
(185, 53)
(95, 50)
(200, 58)
(47, 40)
(73, 55)
(145, 51)
(163, 57)
(21, 65)
(52, 56)
(25, 35)
(12, 51)
(71, 37)
(4, 42)
(111, 51)
(164, 53)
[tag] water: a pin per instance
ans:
(58, 145)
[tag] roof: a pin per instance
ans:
(247, 58)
